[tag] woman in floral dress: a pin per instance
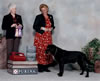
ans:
(43, 25)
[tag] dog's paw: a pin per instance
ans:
(81, 73)
(60, 75)
(87, 76)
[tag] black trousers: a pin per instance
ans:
(13, 45)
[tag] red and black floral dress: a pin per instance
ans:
(41, 41)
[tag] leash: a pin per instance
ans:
(55, 55)
(56, 51)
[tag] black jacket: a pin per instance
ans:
(6, 25)
(40, 22)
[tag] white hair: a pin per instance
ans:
(10, 6)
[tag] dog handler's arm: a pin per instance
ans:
(36, 25)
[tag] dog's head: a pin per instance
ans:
(50, 49)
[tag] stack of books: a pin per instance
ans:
(22, 67)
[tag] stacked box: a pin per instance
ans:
(31, 53)
(22, 67)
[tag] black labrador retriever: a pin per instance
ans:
(64, 57)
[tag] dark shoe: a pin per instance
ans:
(47, 70)
(40, 70)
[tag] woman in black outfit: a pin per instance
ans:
(12, 23)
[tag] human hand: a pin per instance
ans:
(49, 29)
(19, 26)
(45, 29)
(13, 25)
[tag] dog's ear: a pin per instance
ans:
(51, 46)
(54, 45)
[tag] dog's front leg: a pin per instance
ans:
(61, 69)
